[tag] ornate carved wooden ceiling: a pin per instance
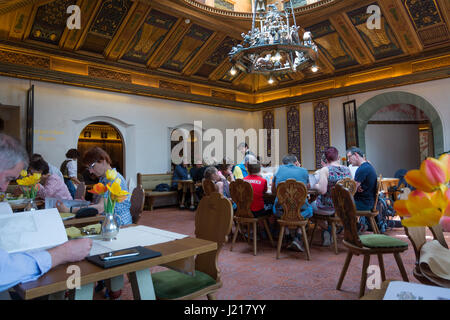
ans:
(178, 49)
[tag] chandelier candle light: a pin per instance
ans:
(274, 47)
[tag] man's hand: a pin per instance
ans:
(71, 251)
(61, 207)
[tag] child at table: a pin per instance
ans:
(259, 185)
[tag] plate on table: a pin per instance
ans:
(67, 215)
(17, 201)
(91, 231)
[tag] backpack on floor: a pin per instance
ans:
(384, 211)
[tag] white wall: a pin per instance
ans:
(392, 147)
(61, 112)
(437, 93)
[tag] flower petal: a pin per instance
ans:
(401, 209)
(434, 171)
(445, 161)
(418, 180)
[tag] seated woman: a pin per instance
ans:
(225, 170)
(51, 185)
(330, 173)
(98, 162)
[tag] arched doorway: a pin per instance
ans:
(107, 137)
(371, 106)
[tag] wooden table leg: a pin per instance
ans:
(142, 285)
(192, 189)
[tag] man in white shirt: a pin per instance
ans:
(21, 267)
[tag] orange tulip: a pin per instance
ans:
(99, 189)
(423, 209)
(433, 174)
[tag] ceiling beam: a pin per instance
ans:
(352, 39)
(71, 38)
(168, 45)
(219, 72)
(130, 26)
(202, 55)
(397, 17)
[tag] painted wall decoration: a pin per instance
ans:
(382, 42)
(269, 124)
(332, 45)
(149, 36)
(294, 131)
(187, 48)
(50, 21)
(321, 129)
(351, 124)
(399, 112)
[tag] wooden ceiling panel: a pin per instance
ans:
(105, 25)
(187, 47)
(149, 37)
(331, 45)
(50, 22)
(382, 42)
(428, 21)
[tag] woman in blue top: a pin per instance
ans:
(98, 162)
(331, 173)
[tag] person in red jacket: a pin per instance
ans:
(259, 185)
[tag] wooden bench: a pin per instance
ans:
(149, 183)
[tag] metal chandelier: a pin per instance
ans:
(274, 47)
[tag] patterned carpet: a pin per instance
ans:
(292, 277)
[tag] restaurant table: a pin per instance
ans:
(177, 254)
(185, 185)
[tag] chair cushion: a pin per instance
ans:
(171, 284)
(381, 241)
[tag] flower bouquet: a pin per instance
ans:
(429, 204)
(30, 187)
(112, 193)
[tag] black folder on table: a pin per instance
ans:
(144, 254)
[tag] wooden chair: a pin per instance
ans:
(332, 220)
(137, 203)
(292, 196)
(374, 212)
(80, 192)
(367, 245)
(213, 220)
(417, 236)
(208, 187)
(242, 194)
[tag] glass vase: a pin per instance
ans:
(31, 205)
(110, 227)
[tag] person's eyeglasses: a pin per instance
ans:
(92, 165)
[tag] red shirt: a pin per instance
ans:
(259, 185)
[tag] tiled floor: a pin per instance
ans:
(245, 276)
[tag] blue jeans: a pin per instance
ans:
(71, 187)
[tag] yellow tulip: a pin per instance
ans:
(111, 174)
(23, 173)
(116, 192)
(423, 209)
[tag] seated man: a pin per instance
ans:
(291, 170)
(366, 184)
(21, 267)
(259, 185)
(51, 185)
(180, 173)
